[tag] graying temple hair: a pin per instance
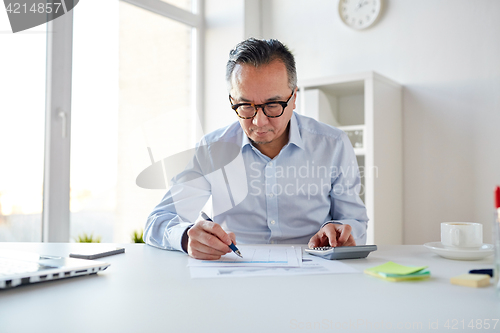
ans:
(258, 52)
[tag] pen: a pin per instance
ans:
(232, 246)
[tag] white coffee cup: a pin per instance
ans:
(461, 234)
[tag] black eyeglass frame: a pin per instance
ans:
(261, 106)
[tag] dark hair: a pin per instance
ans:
(258, 52)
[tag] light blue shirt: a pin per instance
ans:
(312, 181)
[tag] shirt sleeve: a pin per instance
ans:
(346, 205)
(179, 208)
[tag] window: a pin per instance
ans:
(22, 119)
(135, 90)
(132, 102)
(184, 4)
(94, 120)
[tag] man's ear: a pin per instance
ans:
(295, 98)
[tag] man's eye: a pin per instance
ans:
(246, 108)
(272, 106)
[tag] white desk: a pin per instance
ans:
(150, 290)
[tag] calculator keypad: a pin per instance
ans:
(322, 248)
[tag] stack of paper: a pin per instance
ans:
(391, 271)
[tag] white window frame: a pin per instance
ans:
(56, 187)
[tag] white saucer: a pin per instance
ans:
(460, 254)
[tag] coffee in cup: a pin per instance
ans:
(465, 235)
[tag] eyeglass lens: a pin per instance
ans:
(270, 109)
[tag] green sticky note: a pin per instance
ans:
(419, 273)
(393, 268)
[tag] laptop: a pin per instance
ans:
(19, 268)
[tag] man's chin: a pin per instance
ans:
(259, 141)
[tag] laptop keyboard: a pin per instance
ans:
(11, 267)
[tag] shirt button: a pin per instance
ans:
(273, 221)
(270, 195)
(270, 164)
(272, 242)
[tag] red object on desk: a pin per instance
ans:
(497, 197)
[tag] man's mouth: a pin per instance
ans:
(261, 132)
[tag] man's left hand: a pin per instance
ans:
(333, 235)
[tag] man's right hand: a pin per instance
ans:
(208, 241)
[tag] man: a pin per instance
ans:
(293, 180)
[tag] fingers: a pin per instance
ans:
(313, 241)
(345, 233)
(350, 242)
(330, 231)
(336, 235)
(198, 250)
(207, 240)
(319, 239)
(216, 230)
(233, 237)
(210, 234)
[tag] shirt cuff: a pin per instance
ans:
(177, 234)
(333, 222)
(186, 237)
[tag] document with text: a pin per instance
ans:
(254, 256)
(309, 265)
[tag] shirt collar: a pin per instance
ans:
(246, 140)
(293, 136)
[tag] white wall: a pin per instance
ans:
(227, 23)
(224, 29)
(446, 54)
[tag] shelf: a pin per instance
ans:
(356, 134)
(336, 104)
(360, 151)
(368, 107)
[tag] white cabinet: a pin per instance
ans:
(368, 107)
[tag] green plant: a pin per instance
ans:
(137, 236)
(84, 238)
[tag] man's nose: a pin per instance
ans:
(260, 118)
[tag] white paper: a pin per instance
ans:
(309, 265)
(254, 256)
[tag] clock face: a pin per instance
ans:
(359, 14)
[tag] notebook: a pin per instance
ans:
(19, 268)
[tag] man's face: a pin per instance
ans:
(260, 85)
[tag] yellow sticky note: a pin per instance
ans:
(393, 268)
(471, 280)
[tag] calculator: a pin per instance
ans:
(342, 252)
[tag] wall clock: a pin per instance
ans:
(359, 14)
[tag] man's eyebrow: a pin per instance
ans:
(275, 98)
(272, 99)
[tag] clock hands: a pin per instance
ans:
(361, 3)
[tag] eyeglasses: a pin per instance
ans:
(270, 109)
